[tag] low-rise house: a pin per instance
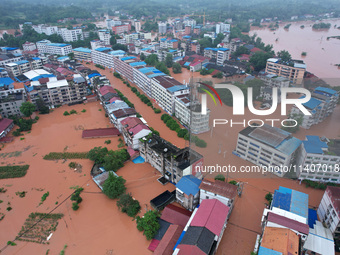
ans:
(173, 163)
(188, 192)
(329, 211)
(220, 54)
(6, 125)
(133, 129)
(222, 191)
(12, 95)
(204, 230)
(319, 159)
(120, 114)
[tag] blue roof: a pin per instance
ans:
(5, 81)
(223, 49)
(21, 62)
(187, 37)
(155, 74)
(10, 48)
(103, 49)
(186, 63)
(312, 217)
(189, 184)
(314, 144)
(217, 49)
(81, 49)
(127, 58)
(94, 74)
(173, 40)
(142, 63)
(35, 58)
(266, 251)
(42, 76)
(288, 146)
(163, 39)
(291, 200)
(58, 44)
(312, 103)
(145, 49)
(63, 57)
(325, 90)
(172, 50)
(117, 52)
(177, 88)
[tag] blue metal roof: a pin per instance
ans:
(127, 58)
(177, 88)
(5, 81)
(21, 62)
(63, 57)
(173, 40)
(314, 144)
(325, 90)
(266, 251)
(172, 50)
(35, 58)
(103, 49)
(117, 52)
(58, 44)
(156, 74)
(186, 63)
(142, 63)
(81, 49)
(10, 48)
(312, 217)
(42, 76)
(189, 184)
(94, 74)
(145, 49)
(289, 146)
(187, 37)
(291, 200)
(312, 103)
(163, 39)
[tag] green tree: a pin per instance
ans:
(269, 197)
(205, 42)
(71, 55)
(27, 109)
(152, 59)
(220, 177)
(176, 68)
(168, 60)
(128, 205)
(43, 109)
(149, 224)
(97, 154)
(114, 186)
(113, 40)
(284, 55)
(142, 56)
(259, 60)
(161, 67)
(241, 50)
(119, 46)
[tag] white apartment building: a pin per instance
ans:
(329, 210)
(29, 46)
(48, 30)
(82, 54)
(71, 35)
(162, 28)
(17, 68)
(138, 26)
(319, 159)
(164, 91)
(222, 27)
(189, 22)
(130, 38)
(46, 47)
(321, 105)
(102, 57)
(105, 36)
(112, 23)
(267, 146)
(97, 44)
(184, 111)
(142, 78)
(274, 81)
(220, 54)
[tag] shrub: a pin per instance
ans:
(128, 205)
(107, 142)
(114, 186)
(182, 132)
(269, 197)
(72, 165)
(75, 206)
(200, 143)
(17, 132)
(66, 113)
(149, 224)
(83, 110)
(233, 182)
(156, 110)
(149, 104)
(73, 111)
(36, 118)
(220, 177)
(12, 172)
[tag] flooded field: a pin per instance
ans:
(322, 54)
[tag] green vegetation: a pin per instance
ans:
(219, 75)
(121, 95)
(168, 60)
(21, 193)
(7, 172)
(66, 155)
(83, 110)
(259, 60)
(284, 55)
(287, 26)
(157, 111)
(315, 185)
(100, 66)
(42, 108)
(17, 132)
(66, 113)
(128, 205)
(63, 250)
(43, 198)
(27, 108)
(220, 177)
(304, 54)
(11, 243)
(76, 198)
(114, 186)
(107, 142)
(321, 25)
(149, 224)
(73, 111)
(176, 68)
(111, 160)
(38, 227)
(233, 182)
(161, 66)
(269, 197)
(72, 165)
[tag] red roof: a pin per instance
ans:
(106, 89)
(135, 130)
(186, 249)
(288, 223)
(176, 215)
(255, 49)
(212, 215)
(114, 99)
(4, 124)
(100, 132)
(153, 245)
(43, 80)
(334, 195)
(215, 72)
(168, 242)
(131, 122)
(132, 152)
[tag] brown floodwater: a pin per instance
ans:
(98, 227)
(322, 54)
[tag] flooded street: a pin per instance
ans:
(322, 54)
